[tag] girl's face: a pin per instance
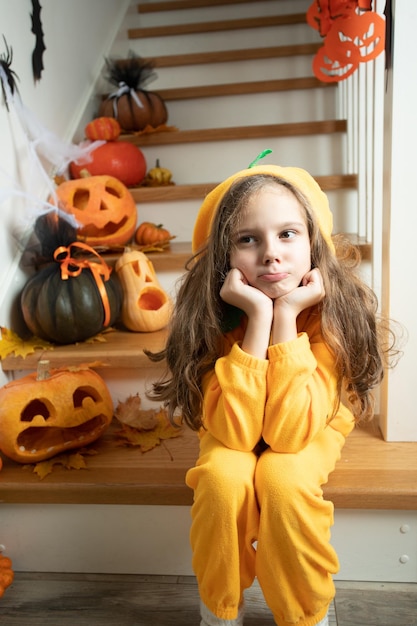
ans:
(272, 245)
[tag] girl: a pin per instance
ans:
(271, 326)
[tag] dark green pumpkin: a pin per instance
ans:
(67, 311)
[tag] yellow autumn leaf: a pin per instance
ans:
(11, 343)
(67, 460)
(149, 439)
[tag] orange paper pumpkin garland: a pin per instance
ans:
(352, 33)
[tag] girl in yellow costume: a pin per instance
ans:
(271, 325)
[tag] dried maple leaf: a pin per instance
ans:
(130, 412)
(147, 440)
(11, 343)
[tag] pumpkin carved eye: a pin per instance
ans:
(35, 407)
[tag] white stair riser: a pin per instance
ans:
(308, 105)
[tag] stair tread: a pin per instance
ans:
(198, 191)
(216, 26)
(372, 474)
(225, 56)
(232, 133)
(248, 87)
(175, 5)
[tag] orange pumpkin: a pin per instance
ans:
(148, 233)
(42, 417)
(106, 128)
(119, 159)
(6, 573)
(103, 206)
(146, 306)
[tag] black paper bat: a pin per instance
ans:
(37, 60)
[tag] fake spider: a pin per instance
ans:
(8, 74)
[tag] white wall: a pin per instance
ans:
(78, 35)
(399, 251)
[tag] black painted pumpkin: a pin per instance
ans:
(133, 106)
(72, 299)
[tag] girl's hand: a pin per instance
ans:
(310, 292)
(287, 308)
(257, 306)
(237, 291)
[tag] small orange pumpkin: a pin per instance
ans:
(41, 417)
(106, 128)
(146, 306)
(148, 233)
(103, 206)
(6, 573)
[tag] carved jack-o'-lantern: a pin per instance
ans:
(103, 206)
(146, 306)
(40, 418)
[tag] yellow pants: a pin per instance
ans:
(276, 501)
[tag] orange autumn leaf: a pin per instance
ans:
(11, 343)
(147, 440)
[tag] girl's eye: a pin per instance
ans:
(287, 234)
(245, 239)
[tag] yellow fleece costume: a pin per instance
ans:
(271, 495)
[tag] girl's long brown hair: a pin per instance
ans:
(349, 321)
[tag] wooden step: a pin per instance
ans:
(216, 26)
(177, 5)
(227, 56)
(238, 89)
(198, 191)
(372, 474)
(237, 132)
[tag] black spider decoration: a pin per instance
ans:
(6, 60)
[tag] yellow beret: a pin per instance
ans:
(297, 177)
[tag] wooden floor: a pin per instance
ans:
(115, 600)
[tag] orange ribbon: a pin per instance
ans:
(71, 266)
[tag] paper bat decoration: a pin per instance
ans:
(37, 55)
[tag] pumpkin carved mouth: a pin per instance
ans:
(40, 438)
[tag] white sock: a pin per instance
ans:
(324, 621)
(209, 619)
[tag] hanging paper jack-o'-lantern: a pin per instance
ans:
(146, 306)
(42, 415)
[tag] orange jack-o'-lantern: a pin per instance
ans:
(146, 306)
(103, 206)
(40, 418)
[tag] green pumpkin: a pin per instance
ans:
(71, 310)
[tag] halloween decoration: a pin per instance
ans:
(120, 159)
(8, 76)
(146, 306)
(102, 206)
(350, 37)
(72, 299)
(131, 104)
(6, 573)
(41, 416)
(148, 233)
(106, 128)
(158, 176)
(37, 30)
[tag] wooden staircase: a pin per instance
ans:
(203, 151)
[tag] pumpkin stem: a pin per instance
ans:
(42, 371)
(157, 163)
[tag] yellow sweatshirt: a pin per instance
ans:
(286, 399)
